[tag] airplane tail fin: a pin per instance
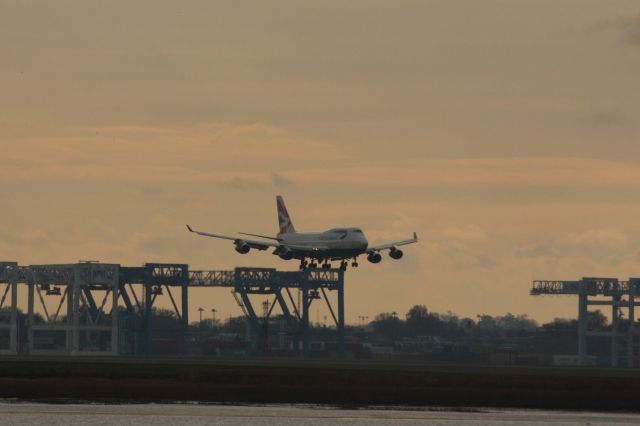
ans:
(286, 226)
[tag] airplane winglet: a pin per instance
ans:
(415, 236)
(189, 228)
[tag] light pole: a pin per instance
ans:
(363, 320)
(213, 316)
(201, 311)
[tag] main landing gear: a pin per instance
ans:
(326, 264)
(304, 264)
(345, 262)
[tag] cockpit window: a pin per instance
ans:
(358, 231)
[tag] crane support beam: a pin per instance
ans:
(594, 291)
(81, 326)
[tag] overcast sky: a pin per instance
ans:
(506, 133)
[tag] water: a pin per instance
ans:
(20, 414)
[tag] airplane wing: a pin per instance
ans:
(260, 236)
(307, 249)
(259, 245)
(389, 246)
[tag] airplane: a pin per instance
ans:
(337, 244)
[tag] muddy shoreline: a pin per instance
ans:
(333, 383)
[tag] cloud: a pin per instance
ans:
(280, 181)
(605, 118)
(535, 251)
(238, 182)
(602, 237)
(628, 28)
(512, 171)
(469, 232)
(8, 237)
(256, 154)
(155, 245)
(153, 191)
(485, 262)
(206, 152)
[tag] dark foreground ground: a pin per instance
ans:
(318, 382)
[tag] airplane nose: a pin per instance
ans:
(364, 242)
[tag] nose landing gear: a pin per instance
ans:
(308, 265)
(325, 264)
(303, 264)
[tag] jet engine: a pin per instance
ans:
(285, 253)
(395, 253)
(242, 247)
(374, 257)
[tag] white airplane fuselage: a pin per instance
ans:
(332, 244)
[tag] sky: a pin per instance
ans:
(505, 133)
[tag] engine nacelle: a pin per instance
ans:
(374, 257)
(285, 253)
(242, 247)
(395, 253)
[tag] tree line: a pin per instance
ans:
(418, 321)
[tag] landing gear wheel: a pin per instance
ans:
(343, 266)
